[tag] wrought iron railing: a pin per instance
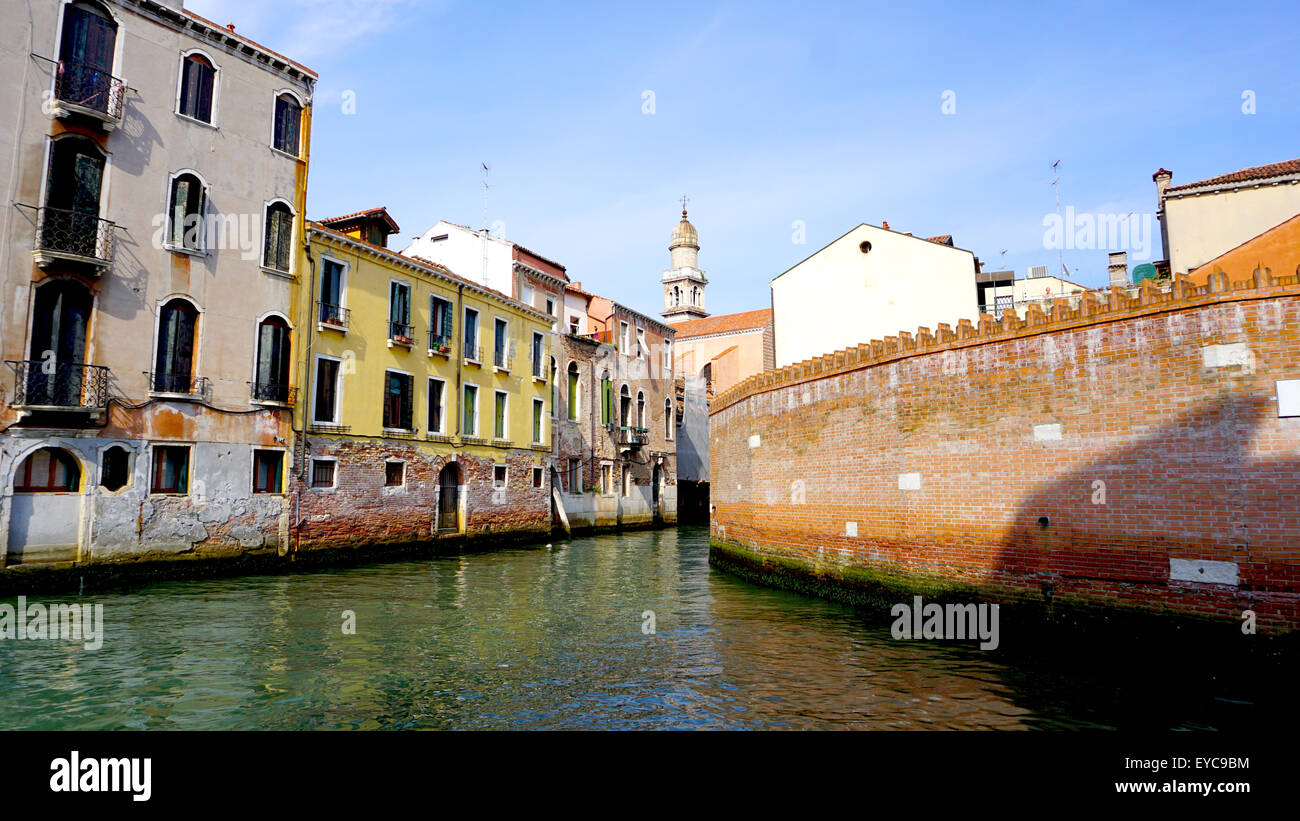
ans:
(473, 354)
(91, 88)
(178, 384)
(439, 342)
(272, 392)
(603, 337)
(501, 359)
(332, 314)
(633, 436)
(74, 385)
(76, 234)
(401, 333)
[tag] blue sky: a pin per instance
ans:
(764, 115)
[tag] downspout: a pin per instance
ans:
(299, 428)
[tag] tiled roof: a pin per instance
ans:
(1258, 172)
(359, 215)
(230, 31)
(723, 324)
(942, 239)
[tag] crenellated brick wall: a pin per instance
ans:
(1123, 452)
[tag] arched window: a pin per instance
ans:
(288, 116)
(677, 295)
(668, 419)
(48, 470)
(640, 410)
(186, 213)
(555, 408)
(198, 82)
(174, 365)
(69, 223)
(114, 468)
(272, 382)
(573, 390)
(625, 407)
(279, 237)
(86, 57)
(56, 372)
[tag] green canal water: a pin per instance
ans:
(554, 638)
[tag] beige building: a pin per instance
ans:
(154, 167)
(1201, 220)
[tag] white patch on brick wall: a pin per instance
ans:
(1233, 355)
(755, 441)
(909, 481)
(1201, 570)
(1288, 397)
(798, 492)
(498, 496)
(1050, 432)
(850, 528)
(807, 397)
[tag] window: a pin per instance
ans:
(624, 407)
(640, 410)
(174, 364)
(440, 322)
(288, 117)
(86, 58)
(198, 79)
(575, 476)
(399, 312)
(325, 408)
(668, 419)
(171, 469)
(640, 343)
(624, 341)
(268, 471)
(537, 477)
(606, 478)
(499, 416)
(668, 357)
(48, 470)
(114, 468)
(573, 390)
(606, 400)
(498, 476)
(575, 325)
(555, 406)
(471, 335)
(272, 382)
(70, 222)
(323, 472)
(60, 318)
(537, 355)
(550, 307)
(394, 474)
(437, 393)
(501, 341)
(539, 409)
(397, 401)
(279, 237)
(331, 292)
(469, 426)
(677, 295)
(527, 296)
(186, 213)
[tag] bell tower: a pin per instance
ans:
(684, 283)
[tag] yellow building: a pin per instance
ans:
(423, 409)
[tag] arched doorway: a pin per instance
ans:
(45, 509)
(449, 499)
(655, 482)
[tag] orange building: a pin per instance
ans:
(1276, 251)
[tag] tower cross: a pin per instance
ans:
(684, 201)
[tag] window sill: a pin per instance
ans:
(175, 397)
(330, 326)
(283, 153)
(444, 354)
(500, 369)
(399, 342)
(276, 272)
(269, 403)
(180, 249)
(474, 362)
(187, 118)
(539, 379)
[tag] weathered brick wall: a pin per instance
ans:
(1073, 454)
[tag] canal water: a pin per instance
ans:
(557, 638)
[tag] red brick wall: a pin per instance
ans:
(1195, 462)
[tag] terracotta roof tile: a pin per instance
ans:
(231, 32)
(723, 324)
(358, 215)
(1258, 172)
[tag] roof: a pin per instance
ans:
(726, 323)
(360, 216)
(1258, 172)
(229, 31)
(1257, 247)
(942, 239)
(939, 240)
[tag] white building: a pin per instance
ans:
(1201, 220)
(1002, 292)
(868, 284)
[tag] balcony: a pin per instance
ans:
(399, 333)
(633, 437)
(73, 236)
(81, 89)
(501, 361)
(176, 386)
(332, 316)
(439, 343)
(473, 354)
(603, 337)
(267, 393)
(40, 386)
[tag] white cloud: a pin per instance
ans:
(306, 29)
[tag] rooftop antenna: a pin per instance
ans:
(1056, 186)
(486, 169)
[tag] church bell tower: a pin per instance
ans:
(684, 284)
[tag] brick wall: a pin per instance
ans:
(1125, 453)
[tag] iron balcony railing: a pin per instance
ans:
(632, 436)
(177, 384)
(501, 359)
(90, 88)
(75, 235)
(71, 386)
(439, 342)
(473, 354)
(603, 337)
(272, 392)
(332, 314)
(401, 333)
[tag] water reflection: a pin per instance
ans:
(544, 638)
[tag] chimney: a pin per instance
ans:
(1162, 178)
(1118, 269)
(884, 224)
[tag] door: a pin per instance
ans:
(654, 492)
(60, 317)
(86, 57)
(449, 500)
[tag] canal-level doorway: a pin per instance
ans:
(451, 501)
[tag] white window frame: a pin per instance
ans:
(216, 88)
(478, 409)
(539, 420)
(343, 283)
(302, 109)
(478, 332)
(442, 411)
(414, 427)
(505, 415)
(338, 390)
(505, 482)
(293, 238)
(312, 474)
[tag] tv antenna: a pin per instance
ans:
(486, 169)
(1056, 187)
